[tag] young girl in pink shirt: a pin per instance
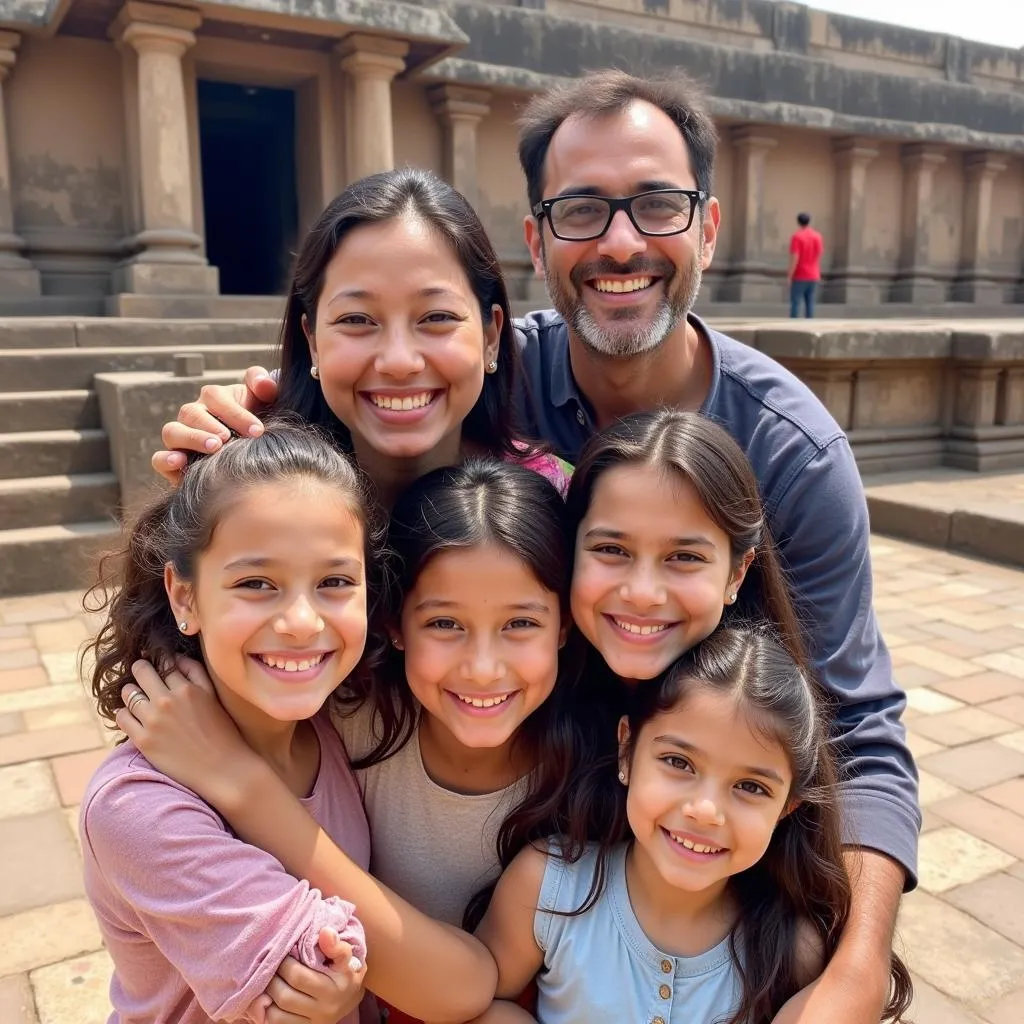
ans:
(260, 566)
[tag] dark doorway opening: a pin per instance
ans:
(250, 202)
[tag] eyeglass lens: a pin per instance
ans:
(655, 213)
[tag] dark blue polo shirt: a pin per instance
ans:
(815, 505)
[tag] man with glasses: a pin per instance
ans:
(623, 224)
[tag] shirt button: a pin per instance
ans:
(580, 418)
(664, 991)
(666, 966)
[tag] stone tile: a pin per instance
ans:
(71, 816)
(11, 722)
(22, 678)
(56, 637)
(973, 765)
(956, 954)
(1008, 1010)
(985, 820)
(17, 1005)
(74, 991)
(16, 643)
(932, 789)
(48, 934)
(33, 613)
(964, 726)
(1013, 740)
(13, 632)
(21, 657)
(928, 702)
(995, 901)
(1009, 794)
(72, 713)
(919, 746)
(977, 689)
(1017, 870)
(944, 664)
(64, 667)
(1010, 708)
(930, 1006)
(42, 697)
(909, 675)
(1011, 664)
(24, 840)
(930, 820)
(26, 789)
(67, 739)
(73, 772)
(949, 857)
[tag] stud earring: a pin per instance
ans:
(396, 643)
(622, 776)
(492, 366)
(732, 599)
(183, 625)
(314, 372)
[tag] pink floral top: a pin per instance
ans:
(549, 466)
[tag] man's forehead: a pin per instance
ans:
(616, 152)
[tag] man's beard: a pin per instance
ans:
(634, 335)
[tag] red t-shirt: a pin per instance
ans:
(808, 246)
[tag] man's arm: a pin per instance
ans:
(794, 259)
(821, 526)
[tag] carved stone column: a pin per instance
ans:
(460, 111)
(915, 279)
(749, 276)
(972, 283)
(848, 280)
(167, 257)
(17, 275)
(370, 63)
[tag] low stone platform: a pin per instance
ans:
(956, 629)
(979, 514)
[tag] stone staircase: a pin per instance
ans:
(58, 495)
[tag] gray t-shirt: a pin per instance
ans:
(600, 965)
(435, 848)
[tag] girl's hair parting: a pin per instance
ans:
(802, 878)
(688, 446)
(177, 527)
(482, 502)
(376, 199)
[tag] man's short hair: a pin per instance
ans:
(803, 219)
(602, 93)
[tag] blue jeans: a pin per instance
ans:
(802, 291)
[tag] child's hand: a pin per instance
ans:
(303, 996)
(180, 726)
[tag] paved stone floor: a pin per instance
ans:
(956, 627)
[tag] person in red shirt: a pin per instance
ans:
(805, 249)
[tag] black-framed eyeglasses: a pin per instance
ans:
(663, 211)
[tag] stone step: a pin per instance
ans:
(53, 500)
(48, 410)
(45, 558)
(53, 453)
(74, 368)
(111, 332)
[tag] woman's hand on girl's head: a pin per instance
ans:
(182, 729)
(303, 996)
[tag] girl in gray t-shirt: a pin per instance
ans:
(717, 889)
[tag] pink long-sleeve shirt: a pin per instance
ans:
(196, 921)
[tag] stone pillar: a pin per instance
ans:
(167, 258)
(370, 63)
(848, 279)
(17, 275)
(460, 111)
(915, 279)
(972, 283)
(749, 276)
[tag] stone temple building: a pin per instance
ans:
(161, 159)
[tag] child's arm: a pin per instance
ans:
(424, 968)
(223, 914)
(507, 927)
(502, 1012)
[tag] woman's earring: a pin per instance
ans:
(622, 777)
(396, 643)
(183, 625)
(492, 366)
(314, 372)
(732, 598)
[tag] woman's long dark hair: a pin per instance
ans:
(802, 877)
(374, 200)
(178, 527)
(693, 448)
